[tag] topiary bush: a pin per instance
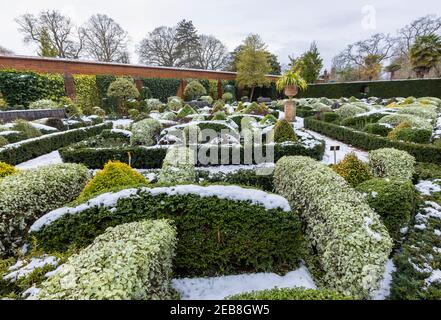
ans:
(194, 90)
(208, 99)
(185, 111)
(268, 120)
(414, 135)
(328, 116)
(221, 229)
(174, 103)
(257, 109)
(122, 89)
(6, 170)
(353, 170)
(290, 294)
(350, 242)
(115, 174)
(135, 262)
(391, 163)
(55, 123)
(27, 195)
(284, 131)
(220, 115)
(228, 97)
(145, 132)
(393, 200)
(153, 104)
(377, 128)
(414, 121)
(348, 110)
(393, 134)
(178, 166)
(87, 95)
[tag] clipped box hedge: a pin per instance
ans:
(351, 243)
(366, 141)
(35, 147)
(134, 262)
(385, 89)
(221, 229)
(290, 294)
(152, 158)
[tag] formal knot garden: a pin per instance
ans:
(144, 195)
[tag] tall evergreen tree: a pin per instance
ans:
(45, 48)
(253, 64)
(187, 44)
(309, 64)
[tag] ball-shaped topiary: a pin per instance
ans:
(185, 111)
(178, 166)
(284, 132)
(115, 174)
(391, 163)
(352, 169)
(208, 99)
(220, 115)
(174, 103)
(194, 90)
(145, 131)
(6, 170)
(122, 89)
(227, 97)
(394, 200)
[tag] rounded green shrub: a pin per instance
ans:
(284, 131)
(55, 123)
(228, 97)
(393, 200)
(391, 163)
(220, 115)
(290, 294)
(194, 90)
(328, 116)
(174, 103)
(353, 170)
(115, 174)
(377, 128)
(27, 195)
(348, 110)
(122, 90)
(414, 121)
(144, 132)
(178, 166)
(268, 120)
(414, 135)
(208, 99)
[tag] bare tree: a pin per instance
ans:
(105, 40)
(159, 48)
(379, 45)
(423, 26)
(5, 52)
(212, 54)
(62, 33)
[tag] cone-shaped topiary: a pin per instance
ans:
(185, 111)
(114, 174)
(352, 169)
(284, 131)
(6, 170)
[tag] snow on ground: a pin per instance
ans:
(427, 187)
(44, 160)
(384, 290)
(328, 157)
(218, 288)
(125, 123)
(23, 269)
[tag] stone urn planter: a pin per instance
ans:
(290, 108)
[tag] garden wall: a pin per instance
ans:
(30, 115)
(382, 89)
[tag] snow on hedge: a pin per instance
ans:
(109, 200)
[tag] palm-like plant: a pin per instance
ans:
(291, 78)
(425, 54)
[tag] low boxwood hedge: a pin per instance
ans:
(290, 294)
(366, 141)
(32, 148)
(152, 158)
(221, 229)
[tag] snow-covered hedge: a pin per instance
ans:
(27, 195)
(178, 166)
(134, 262)
(414, 121)
(28, 149)
(348, 110)
(352, 244)
(221, 229)
(391, 163)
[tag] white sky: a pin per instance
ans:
(287, 26)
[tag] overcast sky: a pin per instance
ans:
(287, 26)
